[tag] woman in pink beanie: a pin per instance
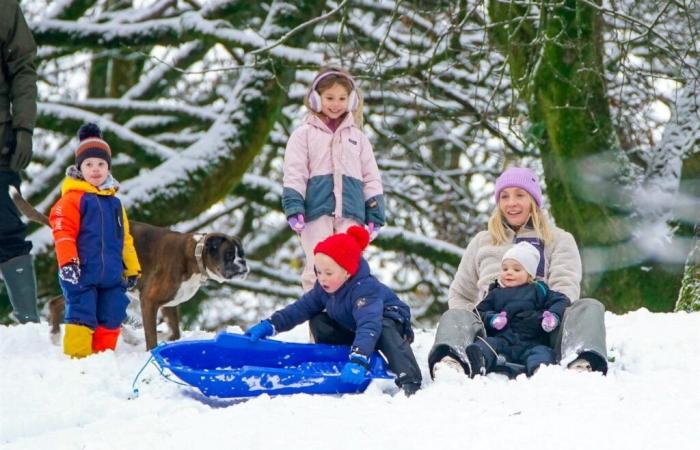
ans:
(518, 217)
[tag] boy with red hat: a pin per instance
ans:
(348, 306)
(96, 256)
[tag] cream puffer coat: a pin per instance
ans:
(481, 264)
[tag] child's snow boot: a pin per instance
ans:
(105, 338)
(477, 362)
(410, 388)
(77, 342)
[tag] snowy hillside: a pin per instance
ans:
(649, 400)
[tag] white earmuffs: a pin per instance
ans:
(315, 97)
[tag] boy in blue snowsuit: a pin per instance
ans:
(348, 306)
(519, 313)
(96, 256)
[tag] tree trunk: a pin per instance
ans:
(557, 67)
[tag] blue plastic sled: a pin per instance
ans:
(230, 365)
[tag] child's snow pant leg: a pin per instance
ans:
(398, 353)
(491, 347)
(457, 329)
(314, 232)
(81, 304)
(582, 333)
(111, 312)
(327, 331)
(535, 356)
(80, 318)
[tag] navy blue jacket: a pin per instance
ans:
(524, 306)
(359, 306)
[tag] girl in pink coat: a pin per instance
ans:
(331, 179)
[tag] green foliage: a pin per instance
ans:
(689, 295)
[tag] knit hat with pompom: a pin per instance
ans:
(345, 248)
(92, 145)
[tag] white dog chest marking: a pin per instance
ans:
(187, 289)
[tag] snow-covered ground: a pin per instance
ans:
(649, 400)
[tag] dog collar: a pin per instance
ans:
(200, 238)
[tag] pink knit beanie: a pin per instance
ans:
(522, 178)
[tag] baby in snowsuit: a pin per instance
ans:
(348, 306)
(518, 313)
(96, 256)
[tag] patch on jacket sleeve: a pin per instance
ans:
(352, 141)
(360, 302)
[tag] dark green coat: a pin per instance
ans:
(17, 74)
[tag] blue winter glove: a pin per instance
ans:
(260, 331)
(356, 370)
(70, 273)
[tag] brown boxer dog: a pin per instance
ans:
(174, 266)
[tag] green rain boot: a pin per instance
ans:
(21, 287)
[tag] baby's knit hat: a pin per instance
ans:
(92, 145)
(345, 248)
(520, 177)
(526, 254)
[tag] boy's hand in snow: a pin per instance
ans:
(260, 331)
(356, 370)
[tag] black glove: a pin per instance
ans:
(22, 153)
(131, 282)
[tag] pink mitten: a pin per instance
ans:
(373, 230)
(499, 321)
(296, 223)
(549, 321)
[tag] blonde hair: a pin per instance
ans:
(347, 81)
(540, 223)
